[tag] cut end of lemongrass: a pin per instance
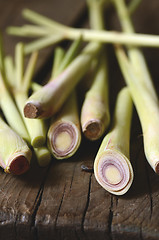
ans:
(113, 172)
(32, 110)
(64, 140)
(43, 156)
(18, 165)
(93, 129)
(157, 167)
(38, 141)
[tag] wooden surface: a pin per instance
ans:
(63, 202)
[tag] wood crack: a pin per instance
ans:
(60, 205)
(36, 205)
(149, 190)
(110, 218)
(87, 204)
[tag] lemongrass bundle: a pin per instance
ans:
(51, 32)
(95, 115)
(64, 134)
(15, 155)
(112, 166)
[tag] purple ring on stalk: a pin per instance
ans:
(63, 128)
(113, 171)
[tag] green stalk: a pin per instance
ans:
(112, 167)
(95, 115)
(135, 54)
(50, 98)
(64, 134)
(58, 56)
(15, 154)
(36, 128)
(43, 156)
(147, 109)
(65, 32)
(9, 70)
(10, 111)
(42, 43)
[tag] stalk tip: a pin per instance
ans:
(92, 129)
(31, 110)
(18, 166)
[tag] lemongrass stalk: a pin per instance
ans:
(58, 56)
(43, 156)
(70, 55)
(64, 134)
(95, 115)
(65, 32)
(11, 112)
(36, 128)
(30, 31)
(29, 71)
(147, 109)
(9, 70)
(35, 86)
(19, 62)
(42, 43)
(15, 154)
(135, 54)
(133, 5)
(49, 99)
(112, 166)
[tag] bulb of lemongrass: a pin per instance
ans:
(50, 98)
(112, 166)
(147, 109)
(52, 32)
(64, 134)
(95, 115)
(15, 154)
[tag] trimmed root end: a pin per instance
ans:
(32, 111)
(114, 173)
(93, 130)
(18, 166)
(63, 140)
(157, 168)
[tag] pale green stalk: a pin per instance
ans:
(58, 56)
(65, 32)
(42, 43)
(147, 109)
(36, 129)
(10, 111)
(19, 63)
(95, 115)
(64, 134)
(112, 167)
(135, 54)
(9, 70)
(50, 98)
(15, 154)
(43, 156)
(133, 5)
